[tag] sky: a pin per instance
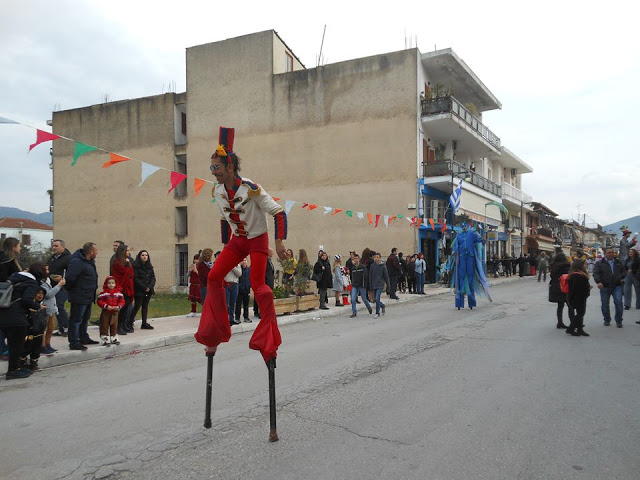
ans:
(566, 72)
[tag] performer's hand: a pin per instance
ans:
(209, 350)
(281, 250)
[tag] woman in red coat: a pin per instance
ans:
(122, 271)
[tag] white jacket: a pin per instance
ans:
(252, 203)
(233, 275)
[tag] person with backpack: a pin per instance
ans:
(9, 264)
(559, 267)
(578, 292)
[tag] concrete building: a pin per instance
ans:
(34, 235)
(376, 135)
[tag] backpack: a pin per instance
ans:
(564, 283)
(6, 292)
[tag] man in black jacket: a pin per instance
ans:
(609, 274)
(82, 283)
(359, 284)
(58, 264)
(269, 280)
(393, 268)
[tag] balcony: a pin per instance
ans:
(513, 196)
(444, 173)
(434, 110)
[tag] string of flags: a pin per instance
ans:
(175, 178)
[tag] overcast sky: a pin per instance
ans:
(566, 72)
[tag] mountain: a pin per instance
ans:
(10, 212)
(632, 224)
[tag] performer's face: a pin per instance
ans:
(222, 171)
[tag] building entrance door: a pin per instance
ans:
(429, 247)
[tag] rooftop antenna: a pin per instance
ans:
(321, 45)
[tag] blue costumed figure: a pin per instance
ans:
(467, 267)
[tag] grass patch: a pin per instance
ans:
(160, 305)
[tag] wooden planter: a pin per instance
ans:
(307, 302)
(285, 305)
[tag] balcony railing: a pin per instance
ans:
(516, 194)
(455, 169)
(435, 106)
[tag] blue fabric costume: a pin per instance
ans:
(466, 265)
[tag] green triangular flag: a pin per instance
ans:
(400, 216)
(79, 150)
(349, 213)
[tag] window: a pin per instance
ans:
(182, 265)
(289, 62)
(26, 240)
(3, 236)
(180, 166)
(183, 117)
(181, 221)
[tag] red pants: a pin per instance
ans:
(214, 327)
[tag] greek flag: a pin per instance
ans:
(455, 197)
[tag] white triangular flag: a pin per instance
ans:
(386, 220)
(327, 210)
(360, 215)
(147, 171)
(288, 205)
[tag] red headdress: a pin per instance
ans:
(225, 143)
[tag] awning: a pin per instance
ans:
(540, 244)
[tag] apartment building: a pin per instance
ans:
(389, 135)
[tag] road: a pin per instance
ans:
(425, 392)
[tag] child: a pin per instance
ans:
(111, 301)
(194, 285)
(33, 341)
(577, 297)
(52, 311)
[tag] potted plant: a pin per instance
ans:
(282, 302)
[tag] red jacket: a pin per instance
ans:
(124, 277)
(110, 298)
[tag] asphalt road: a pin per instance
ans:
(425, 392)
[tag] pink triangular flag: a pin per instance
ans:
(43, 136)
(176, 178)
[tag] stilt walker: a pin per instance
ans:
(244, 206)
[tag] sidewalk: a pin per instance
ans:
(180, 329)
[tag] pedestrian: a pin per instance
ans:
(631, 281)
(9, 264)
(122, 271)
(337, 279)
(50, 301)
(244, 292)
(144, 281)
(14, 322)
(411, 274)
(82, 283)
(110, 301)
(359, 283)
(58, 264)
(116, 244)
(287, 274)
(506, 265)
(269, 281)
(579, 291)
(366, 259)
(194, 285)
(244, 206)
(394, 271)
(323, 278)
(543, 266)
(378, 278)
(37, 325)
(559, 267)
(609, 276)
(303, 273)
(402, 280)
(625, 244)
(420, 270)
(231, 291)
(204, 267)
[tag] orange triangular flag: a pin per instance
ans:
(432, 223)
(198, 183)
(336, 211)
(276, 198)
(113, 159)
(313, 206)
(370, 217)
(391, 219)
(418, 222)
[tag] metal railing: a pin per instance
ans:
(516, 194)
(454, 169)
(435, 106)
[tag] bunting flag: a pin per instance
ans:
(418, 222)
(305, 205)
(377, 220)
(386, 221)
(80, 149)
(392, 218)
(313, 206)
(432, 223)
(113, 159)
(370, 218)
(147, 170)
(288, 205)
(360, 215)
(349, 213)
(276, 199)
(400, 216)
(8, 120)
(198, 183)
(327, 210)
(336, 211)
(444, 225)
(176, 178)
(41, 136)
(502, 208)
(412, 221)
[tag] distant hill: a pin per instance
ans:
(46, 217)
(632, 223)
